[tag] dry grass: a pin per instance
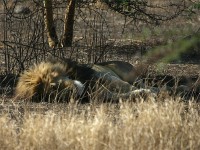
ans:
(167, 124)
(164, 124)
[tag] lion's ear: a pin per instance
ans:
(52, 60)
(71, 66)
(70, 63)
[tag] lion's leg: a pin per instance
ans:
(124, 70)
(132, 95)
(114, 83)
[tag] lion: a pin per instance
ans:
(60, 80)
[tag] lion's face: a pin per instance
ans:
(48, 82)
(62, 88)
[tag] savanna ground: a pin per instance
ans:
(164, 122)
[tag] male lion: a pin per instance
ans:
(61, 80)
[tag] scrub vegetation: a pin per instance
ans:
(161, 33)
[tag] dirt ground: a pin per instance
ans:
(177, 70)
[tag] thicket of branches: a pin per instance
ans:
(24, 38)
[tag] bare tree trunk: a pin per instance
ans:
(69, 24)
(49, 24)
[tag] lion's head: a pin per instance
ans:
(48, 81)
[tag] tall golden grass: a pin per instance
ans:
(167, 124)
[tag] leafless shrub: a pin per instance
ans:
(24, 41)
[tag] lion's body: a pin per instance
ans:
(56, 78)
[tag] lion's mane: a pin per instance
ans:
(34, 83)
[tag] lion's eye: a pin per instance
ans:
(54, 74)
